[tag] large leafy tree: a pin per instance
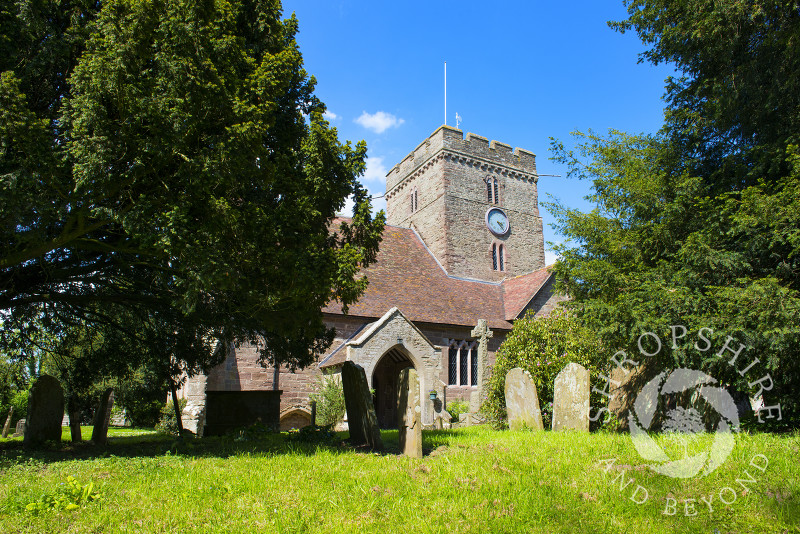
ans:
(166, 176)
(698, 225)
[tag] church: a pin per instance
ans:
(463, 242)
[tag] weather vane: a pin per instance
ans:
(458, 118)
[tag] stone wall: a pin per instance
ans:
(546, 300)
(449, 172)
(228, 410)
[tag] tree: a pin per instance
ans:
(165, 168)
(697, 225)
(543, 347)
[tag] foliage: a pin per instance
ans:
(329, 396)
(141, 394)
(69, 495)
(456, 408)
(543, 346)
(168, 423)
(19, 400)
(697, 225)
(168, 183)
(256, 431)
(315, 434)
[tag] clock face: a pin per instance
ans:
(497, 221)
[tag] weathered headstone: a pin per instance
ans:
(7, 426)
(409, 413)
(45, 411)
(571, 399)
(361, 419)
(522, 401)
(443, 420)
(102, 416)
(193, 416)
(20, 430)
(483, 334)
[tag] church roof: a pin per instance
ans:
(407, 276)
(520, 290)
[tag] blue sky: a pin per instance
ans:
(517, 72)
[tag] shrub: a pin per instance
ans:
(168, 424)
(19, 400)
(456, 408)
(329, 397)
(543, 347)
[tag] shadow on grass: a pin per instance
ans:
(153, 445)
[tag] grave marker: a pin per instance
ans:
(522, 401)
(361, 419)
(45, 411)
(571, 399)
(409, 413)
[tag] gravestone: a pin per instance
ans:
(45, 411)
(7, 426)
(361, 419)
(409, 413)
(102, 417)
(571, 399)
(522, 401)
(483, 334)
(20, 430)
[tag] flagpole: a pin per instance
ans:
(445, 93)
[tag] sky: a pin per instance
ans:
(517, 72)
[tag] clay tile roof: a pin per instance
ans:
(520, 290)
(406, 275)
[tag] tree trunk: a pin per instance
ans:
(177, 406)
(74, 420)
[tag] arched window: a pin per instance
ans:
(414, 201)
(498, 257)
(473, 355)
(463, 356)
(452, 364)
(492, 190)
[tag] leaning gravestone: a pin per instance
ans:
(45, 411)
(409, 412)
(571, 399)
(361, 419)
(20, 430)
(522, 402)
(7, 426)
(102, 417)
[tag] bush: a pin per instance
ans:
(19, 400)
(329, 397)
(543, 347)
(168, 424)
(456, 408)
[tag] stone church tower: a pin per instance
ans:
(473, 203)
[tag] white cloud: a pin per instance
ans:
(376, 171)
(374, 180)
(550, 257)
(378, 122)
(330, 116)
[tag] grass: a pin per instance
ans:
(471, 480)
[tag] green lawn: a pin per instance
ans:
(471, 480)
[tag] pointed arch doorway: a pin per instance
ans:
(385, 379)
